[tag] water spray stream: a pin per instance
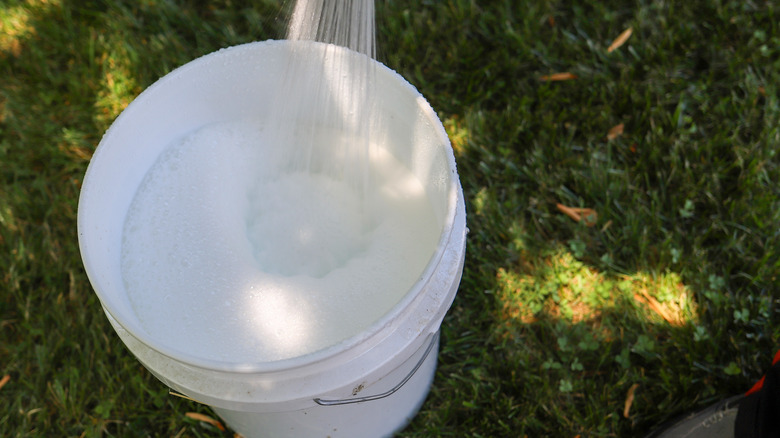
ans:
(340, 88)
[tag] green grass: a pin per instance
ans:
(552, 326)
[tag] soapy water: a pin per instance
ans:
(228, 258)
(324, 233)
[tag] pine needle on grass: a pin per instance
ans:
(205, 419)
(615, 132)
(629, 399)
(588, 216)
(620, 40)
(557, 77)
(4, 380)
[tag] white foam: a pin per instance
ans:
(228, 258)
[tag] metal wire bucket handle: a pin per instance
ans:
(346, 401)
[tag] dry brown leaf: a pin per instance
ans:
(629, 399)
(205, 419)
(620, 40)
(563, 76)
(586, 215)
(615, 132)
(6, 378)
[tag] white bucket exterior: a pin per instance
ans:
(371, 384)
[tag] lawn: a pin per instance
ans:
(661, 297)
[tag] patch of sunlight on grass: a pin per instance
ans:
(118, 87)
(557, 284)
(458, 134)
(664, 295)
(479, 200)
(518, 238)
(6, 215)
(15, 24)
(76, 145)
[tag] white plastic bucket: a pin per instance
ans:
(371, 384)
